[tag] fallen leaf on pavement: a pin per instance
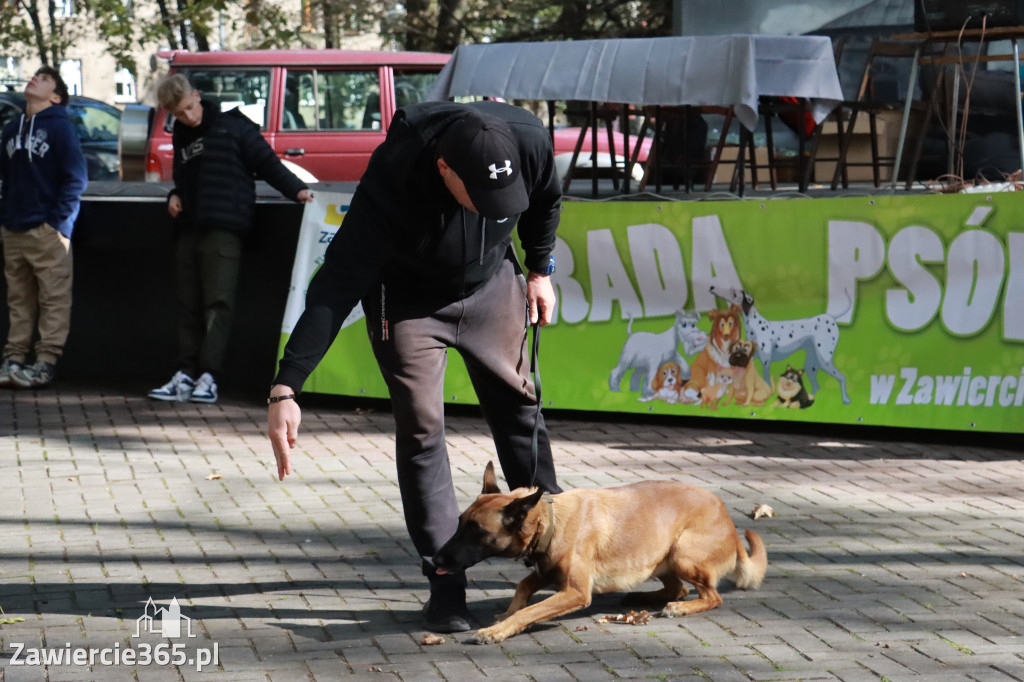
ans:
(214, 477)
(762, 510)
(432, 640)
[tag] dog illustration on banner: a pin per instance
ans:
(791, 390)
(723, 372)
(707, 375)
(748, 388)
(647, 354)
(778, 339)
(667, 383)
(719, 387)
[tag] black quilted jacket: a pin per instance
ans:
(233, 155)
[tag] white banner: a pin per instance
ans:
(321, 219)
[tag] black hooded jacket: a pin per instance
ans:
(406, 239)
(215, 165)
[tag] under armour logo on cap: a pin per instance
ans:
(495, 170)
(484, 153)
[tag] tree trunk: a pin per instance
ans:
(572, 21)
(165, 20)
(202, 41)
(183, 32)
(449, 25)
(331, 33)
(32, 8)
(417, 21)
(55, 57)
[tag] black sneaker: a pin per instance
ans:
(446, 611)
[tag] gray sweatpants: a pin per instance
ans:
(489, 329)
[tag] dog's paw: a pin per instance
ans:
(489, 635)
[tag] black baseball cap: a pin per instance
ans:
(484, 154)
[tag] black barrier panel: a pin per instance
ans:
(123, 314)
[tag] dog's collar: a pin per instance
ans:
(545, 540)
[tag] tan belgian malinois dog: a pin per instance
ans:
(606, 540)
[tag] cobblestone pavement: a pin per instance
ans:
(889, 558)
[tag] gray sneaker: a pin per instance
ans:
(7, 368)
(178, 389)
(37, 375)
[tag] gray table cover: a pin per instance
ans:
(728, 70)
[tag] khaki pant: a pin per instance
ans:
(38, 267)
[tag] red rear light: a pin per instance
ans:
(153, 170)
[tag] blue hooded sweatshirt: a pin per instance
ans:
(42, 172)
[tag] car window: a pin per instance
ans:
(7, 112)
(94, 123)
(299, 106)
(245, 89)
(331, 100)
(411, 86)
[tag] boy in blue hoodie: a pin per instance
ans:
(42, 177)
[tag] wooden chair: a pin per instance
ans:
(597, 116)
(670, 157)
(871, 104)
(796, 114)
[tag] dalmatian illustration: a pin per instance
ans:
(778, 339)
(645, 352)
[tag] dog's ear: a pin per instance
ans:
(753, 347)
(490, 481)
(514, 513)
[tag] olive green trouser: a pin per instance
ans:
(207, 279)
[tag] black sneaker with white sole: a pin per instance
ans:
(205, 390)
(177, 390)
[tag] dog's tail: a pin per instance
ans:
(750, 569)
(849, 305)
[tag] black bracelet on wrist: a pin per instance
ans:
(278, 398)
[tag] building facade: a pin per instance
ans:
(91, 70)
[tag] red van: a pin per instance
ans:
(323, 111)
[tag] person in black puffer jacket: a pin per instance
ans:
(217, 156)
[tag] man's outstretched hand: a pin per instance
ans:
(283, 418)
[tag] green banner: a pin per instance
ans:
(897, 311)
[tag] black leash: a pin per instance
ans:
(535, 371)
